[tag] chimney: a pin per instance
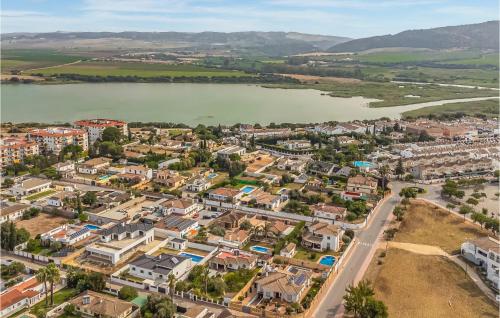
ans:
(86, 300)
(236, 252)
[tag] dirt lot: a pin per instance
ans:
(41, 224)
(256, 161)
(426, 224)
(413, 285)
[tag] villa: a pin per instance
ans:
(292, 164)
(289, 250)
(66, 234)
(287, 286)
(158, 268)
(91, 304)
(361, 184)
(94, 166)
(231, 150)
(179, 206)
(19, 296)
(176, 226)
(142, 171)
(198, 185)
(235, 259)
(321, 237)
(228, 195)
(31, 186)
(119, 241)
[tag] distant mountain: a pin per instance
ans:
(474, 36)
(268, 43)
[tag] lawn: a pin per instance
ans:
(484, 107)
(413, 285)
(60, 296)
(304, 254)
(430, 225)
(143, 70)
(40, 195)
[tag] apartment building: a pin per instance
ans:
(54, 139)
(15, 150)
(95, 127)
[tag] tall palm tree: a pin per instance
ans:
(171, 285)
(41, 276)
(53, 277)
(384, 170)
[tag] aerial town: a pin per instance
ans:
(106, 218)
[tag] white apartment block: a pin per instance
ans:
(54, 139)
(95, 127)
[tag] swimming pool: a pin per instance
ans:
(195, 258)
(327, 260)
(92, 227)
(259, 249)
(211, 176)
(247, 189)
(105, 177)
(363, 164)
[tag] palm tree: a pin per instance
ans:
(53, 277)
(41, 276)
(171, 285)
(205, 273)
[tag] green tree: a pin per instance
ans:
(398, 213)
(89, 198)
(127, 293)
(472, 201)
(360, 302)
(465, 209)
(112, 134)
(171, 285)
(400, 170)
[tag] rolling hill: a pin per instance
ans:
(480, 36)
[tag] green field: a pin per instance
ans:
(416, 56)
(489, 108)
(32, 58)
(145, 70)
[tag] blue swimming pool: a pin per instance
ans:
(195, 258)
(247, 189)
(259, 249)
(211, 176)
(92, 227)
(327, 260)
(363, 164)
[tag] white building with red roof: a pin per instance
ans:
(14, 150)
(95, 127)
(20, 296)
(54, 139)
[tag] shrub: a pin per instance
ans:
(127, 293)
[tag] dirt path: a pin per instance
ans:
(434, 250)
(43, 68)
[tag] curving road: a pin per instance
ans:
(356, 264)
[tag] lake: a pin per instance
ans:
(190, 104)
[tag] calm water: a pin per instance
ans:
(183, 103)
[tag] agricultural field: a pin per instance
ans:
(416, 56)
(414, 285)
(32, 59)
(144, 70)
(489, 108)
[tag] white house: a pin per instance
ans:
(20, 296)
(329, 211)
(198, 185)
(143, 171)
(158, 268)
(484, 252)
(284, 285)
(13, 212)
(119, 241)
(231, 150)
(321, 237)
(176, 226)
(65, 169)
(66, 234)
(93, 166)
(57, 200)
(289, 250)
(179, 206)
(31, 186)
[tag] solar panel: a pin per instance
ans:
(293, 270)
(300, 279)
(175, 260)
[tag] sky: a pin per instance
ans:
(351, 18)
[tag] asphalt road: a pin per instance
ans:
(361, 254)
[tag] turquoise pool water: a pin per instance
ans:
(327, 260)
(259, 249)
(212, 175)
(195, 258)
(92, 227)
(363, 164)
(105, 177)
(247, 189)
